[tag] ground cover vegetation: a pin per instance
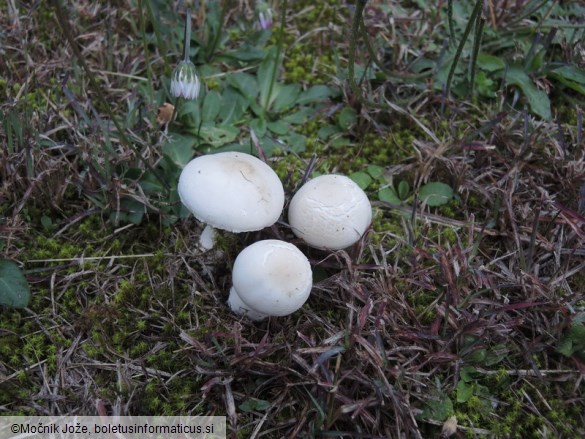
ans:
(461, 312)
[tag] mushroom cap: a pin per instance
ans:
(232, 191)
(272, 277)
(330, 212)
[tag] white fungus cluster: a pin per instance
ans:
(237, 192)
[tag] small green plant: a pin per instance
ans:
(527, 60)
(432, 194)
(14, 289)
(253, 405)
(573, 340)
(528, 67)
(438, 407)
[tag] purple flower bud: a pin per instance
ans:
(264, 16)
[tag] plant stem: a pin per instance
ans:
(451, 22)
(187, 39)
(149, 73)
(355, 27)
(277, 59)
(215, 41)
(479, 23)
(470, 23)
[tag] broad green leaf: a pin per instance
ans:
(188, 113)
(537, 61)
(477, 356)
(403, 190)
(267, 78)
(278, 127)
(464, 391)
(131, 211)
(341, 141)
(247, 53)
(496, 354)
(573, 341)
(327, 131)
(389, 195)
(346, 118)
(423, 64)
(234, 105)
(218, 135)
(375, 171)
(14, 290)
(571, 73)
(47, 222)
(245, 83)
(298, 117)
(359, 73)
(296, 142)
(211, 106)
(438, 409)
(573, 85)
(537, 99)
(257, 109)
(315, 94)
(286, 96)
(362, 179)
(570, 76)
(259, 127)
(467, 373)
(435, 194)
(150, 184)
(254, 405)
(268, 145)
(179, 149)
(490, 63)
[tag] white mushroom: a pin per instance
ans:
(231, 191)
(270, 278)
(330, 212)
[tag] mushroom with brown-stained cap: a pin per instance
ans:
(270, 278)
(232, 191)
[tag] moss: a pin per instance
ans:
(138, 349)
(448, 235)
(290, 168)
(384, 224)
(512, 415)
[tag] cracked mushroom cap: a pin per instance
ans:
(232, 191)
(330, 212)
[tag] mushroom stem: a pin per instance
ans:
(207, 238)
(239, 307)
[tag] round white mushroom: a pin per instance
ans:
(231, 191)
(270, 278)
(330, 212)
